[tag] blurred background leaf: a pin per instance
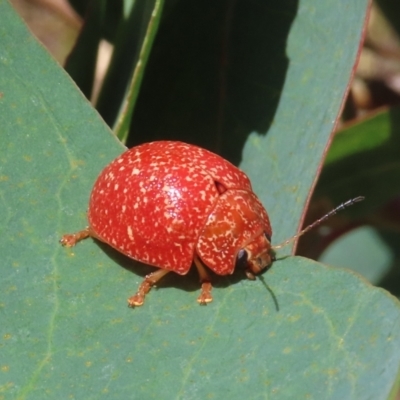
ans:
(365, 156)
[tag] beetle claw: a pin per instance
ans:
(250, 275)
(71, 239)
(136, 300)
(145, 287)
(205, 295)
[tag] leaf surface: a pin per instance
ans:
(314, 332)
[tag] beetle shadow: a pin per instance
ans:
(224, 76)
(189, 282)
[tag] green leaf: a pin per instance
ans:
(364, 251)
(124, 119)
(121, 85)
(66, 332)
(364, 157)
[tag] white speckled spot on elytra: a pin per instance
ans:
(130, 233)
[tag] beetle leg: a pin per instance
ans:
(144, 288)
(71, 239)
(250, 275)
(205, 294)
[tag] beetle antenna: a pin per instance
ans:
(341, 207)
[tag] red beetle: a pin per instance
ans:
(171, 204)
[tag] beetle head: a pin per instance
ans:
(255, 256)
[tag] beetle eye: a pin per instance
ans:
(241, 259)
(268, 237)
